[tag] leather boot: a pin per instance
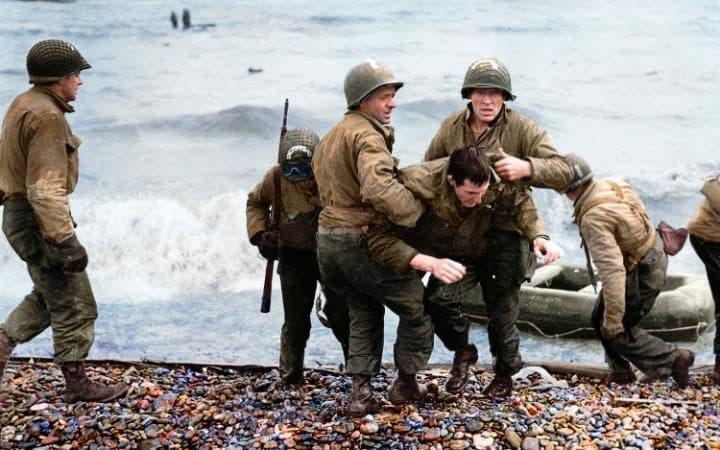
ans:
(681, 367)
(406, 389)
(79, 388)
(464, 358)
(6, 348)
(625, 377)
(362, 401)
(716, 373)
(500, 386)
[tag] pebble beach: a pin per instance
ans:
(177, 406)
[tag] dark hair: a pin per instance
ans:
(469, 163)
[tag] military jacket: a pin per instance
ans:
(39, 159)
(357, 176)
(518, 136)
(616, 228)
(446, 229)
(299, 210)
(706, 223)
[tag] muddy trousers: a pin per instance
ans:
(61, 300)
(348, 272)
(649, 353)
(709, 253)
(299, 276)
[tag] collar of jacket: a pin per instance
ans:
(580, 200)
(499, 120)
(64, 106)
(387, 131)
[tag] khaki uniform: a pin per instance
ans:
(704, 231)
(297, 266)
(38, 171)
(449, 230)
(632, 266)
(521, 137)
(356, 176)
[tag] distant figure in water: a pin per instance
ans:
(186, 18)
(173, 19)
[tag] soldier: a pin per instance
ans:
(355, 172)
(291, 185)
(523, 155)
(458, 193)
(704, 231)
(628, 253)
(38, 172)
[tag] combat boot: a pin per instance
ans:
(464, 358)
(6, 348)
(79, 388)
(500, 386)
(716, 373)
(406, 389)
(681, 367)
(362, 401)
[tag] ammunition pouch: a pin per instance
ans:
(299, 232)
(711, 190)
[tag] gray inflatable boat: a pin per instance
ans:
(558, 302)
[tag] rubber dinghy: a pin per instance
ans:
(558, 302)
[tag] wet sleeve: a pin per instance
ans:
(528, 218)
(438, 146)
(597, 229)
(46, 180)
(380, 187)
(550, 169)
(259, 202)
(387, 247)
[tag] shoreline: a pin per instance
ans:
(173, 405)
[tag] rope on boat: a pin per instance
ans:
(698, 328)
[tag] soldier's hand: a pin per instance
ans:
(547, 250)
(72, 255)
(447, 270)
(510, 168)
(267, 244)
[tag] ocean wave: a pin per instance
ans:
(341, 20)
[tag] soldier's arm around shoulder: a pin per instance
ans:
(438, 147)
(379, 185)
(46, 179)
(598, 229)
(550, 169)
(528, 218)
(259, 201)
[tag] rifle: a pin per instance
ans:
(274, 220)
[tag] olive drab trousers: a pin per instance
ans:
(299, 276)
(348, 271)
(649, 353)
(709, 253)
(61, 300)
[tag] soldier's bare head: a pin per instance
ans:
(469, 175)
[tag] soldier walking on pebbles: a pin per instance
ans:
(38, 172)
(356, 177)
(632, 266)
(291, 186)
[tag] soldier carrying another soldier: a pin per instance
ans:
(632, 266)
(38, 172)
(290, 187)
(523, 155)
(356, 177)
(458, 193)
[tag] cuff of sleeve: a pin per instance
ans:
(536, 170)
(406, 256)
(541, 235)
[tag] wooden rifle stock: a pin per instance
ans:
(274, 220)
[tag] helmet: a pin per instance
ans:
(364, 78)
(581, 172)
(53, 59)
(487, 73)
(296, 151)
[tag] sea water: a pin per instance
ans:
(176, 131)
